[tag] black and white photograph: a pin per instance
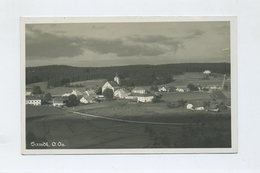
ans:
(128, 85)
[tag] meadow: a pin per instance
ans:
(81, 132)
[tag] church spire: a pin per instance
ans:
(117, 79)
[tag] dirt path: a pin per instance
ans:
(131, 121)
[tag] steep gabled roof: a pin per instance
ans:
(113, 83)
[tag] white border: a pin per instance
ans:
(234, 112)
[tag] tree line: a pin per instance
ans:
(60, 75)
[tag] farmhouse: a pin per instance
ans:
(58, 102)
(33, 100)
(164, 89)
(139, 90)
(121, 93)
(77, 93)
(181, 90)
(87, 99)
(66, 94)
(90, 93)
(145, 98)
(110, 85)
(207, 72)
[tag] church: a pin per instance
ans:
(113, 85)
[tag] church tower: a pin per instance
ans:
(117, 79)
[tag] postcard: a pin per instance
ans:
(114, 85)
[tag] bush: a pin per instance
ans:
(72, 101)
(37, 90)
(192, 87)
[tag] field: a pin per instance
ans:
(77, 131)
(62, 90)
(197, 78)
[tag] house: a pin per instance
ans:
(190, 106)
(90, 93)
(139, 90)
(131, 97)
(207, 72)
(164, 89)
(110, 85)
(121, 93)
(66, 95)
(58, 102)
(33, 100)
(87, 99)
(181, 90)
(28, 91)
(145, 98)
(77, 93)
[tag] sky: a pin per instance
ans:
(117, 44)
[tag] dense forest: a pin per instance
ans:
(59, 75)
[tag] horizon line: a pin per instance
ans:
(129, 64)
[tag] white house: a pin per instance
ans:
(164, 89)
(121, 93)
(190, 106)
(145, 98)
(207, 72)
(139, 90)
(90, 93)
(201, 108)
(66, 95)
(77, 93)
(28, 91)
(87, 99)
(181, 90)
(110, 85)
(33, 100)
(58, 102)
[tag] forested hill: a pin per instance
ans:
(57, 75)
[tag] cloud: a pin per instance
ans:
(169, 42)
(121, 48)
(193, 34)
(40, 44)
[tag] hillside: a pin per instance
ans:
(58, 75)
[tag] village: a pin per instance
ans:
(186, 96)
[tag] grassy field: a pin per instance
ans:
(197, 78)
(75, 131)
(62, 90)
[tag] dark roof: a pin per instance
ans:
(138, 88)
(113, 83)
(33, 98)
(58, 99)
(141, 95)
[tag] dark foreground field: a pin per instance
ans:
(48, 127)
